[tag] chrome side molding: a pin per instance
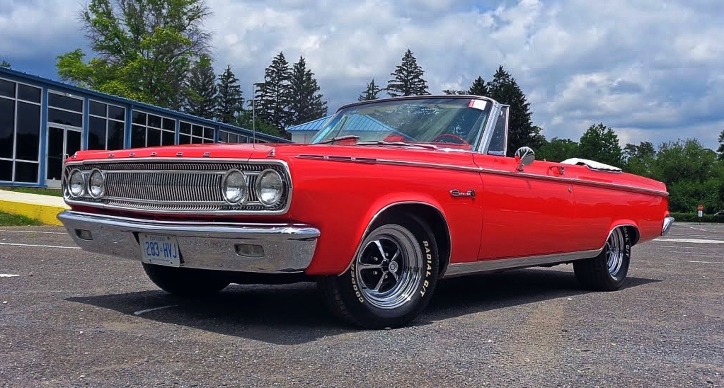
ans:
(459, 269)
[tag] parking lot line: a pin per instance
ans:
(691, 240)
(29, 231)
(7, 275)
(38, 245)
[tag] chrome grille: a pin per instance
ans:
(194, 187)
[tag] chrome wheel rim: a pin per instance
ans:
(389, 267)
(615, 252)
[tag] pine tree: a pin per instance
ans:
(305, 102)
(478, 88)
(720, 150)
(521, 131)
(407, 79)
(230, 100)
(370, 93)
(600, 143)
(200, 89)
(271, 97)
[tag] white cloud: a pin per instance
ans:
(649, 68)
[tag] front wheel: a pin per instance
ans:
(608, 270)
(185, 282)
(392, 278)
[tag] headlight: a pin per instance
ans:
(269, 187)
(234, 187)
(76, 183)
(96, 184)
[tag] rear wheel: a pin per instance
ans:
(185, 282)
(392, 278)
(608, 270)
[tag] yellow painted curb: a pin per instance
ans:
(46, 214)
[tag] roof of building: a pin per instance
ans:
(354, 122)
(20, 76)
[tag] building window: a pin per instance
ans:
(195, 134)
(65, 109)
(148, 130)
(106, 125)
(19, 132)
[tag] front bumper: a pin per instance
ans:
(285, 248)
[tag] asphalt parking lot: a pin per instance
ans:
(70, 318)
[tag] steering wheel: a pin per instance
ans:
(456, 139)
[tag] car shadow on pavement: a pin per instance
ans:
(295, 313)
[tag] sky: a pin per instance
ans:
(650, 69)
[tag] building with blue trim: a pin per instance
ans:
(42, 121)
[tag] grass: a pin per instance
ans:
(34, 190)
(8, 219)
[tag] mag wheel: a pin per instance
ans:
(185, 282)
(391, 279)
(608, 270)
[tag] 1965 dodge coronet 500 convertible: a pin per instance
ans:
(391, 196)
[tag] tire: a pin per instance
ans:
(185, 282)
(608, 270)
(392, 278)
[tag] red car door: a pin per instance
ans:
(525, 213)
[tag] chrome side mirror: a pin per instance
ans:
(524, 156)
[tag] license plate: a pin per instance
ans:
(159, 249)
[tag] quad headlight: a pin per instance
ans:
(234, 187)
(269, 187)
(96, 184)
(76, 183)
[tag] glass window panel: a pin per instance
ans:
(96, 133)
(116, 112)
(55, 152)
(63, 117)
(73, 142)
(223, 137)
(139, 118)
(154, 121)
(184, 139)
(169, 124)
(97, 108)
(138, 136)
(196, 140)
(6, 170)
(185, 128)
(28, 93)
(65, 102)
(243, 139)
(7, 89)
(115, 135)
(167, 138)
(154, 137)
(28, 128)
(209, 133)
(7, 127)
(26, 172)
(198, 131)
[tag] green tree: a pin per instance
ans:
(720, 150)
(557, 150)
(370, 93)
(200, 89)
(5, 64)
(271, 97)
(230, 99)
(639, 159)
(478, 88)
(407, 78)
(600, 143)
(521, 131)
(144, 48)
(247, 120)
(692, 174)
(454, 92)
(305, 101)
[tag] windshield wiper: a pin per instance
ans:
(339, 138)
(399, 143)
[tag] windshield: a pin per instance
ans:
(444, 122)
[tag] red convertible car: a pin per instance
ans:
(391, 196)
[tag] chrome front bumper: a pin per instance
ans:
(285, 248)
